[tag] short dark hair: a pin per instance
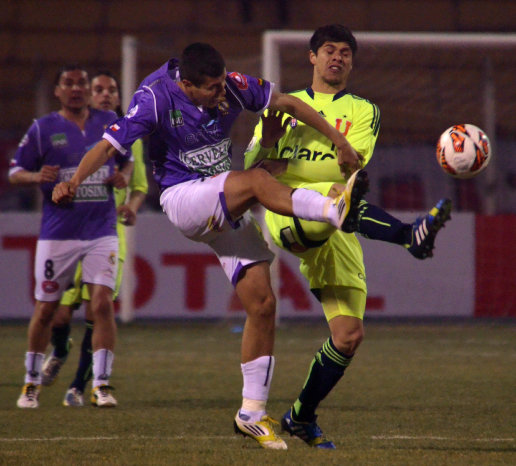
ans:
(199, 60)
(65, 68)
(333, 33)
(105, 72)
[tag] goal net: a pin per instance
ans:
(423, 83)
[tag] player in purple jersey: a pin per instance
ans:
(83, 230)
(187, 108)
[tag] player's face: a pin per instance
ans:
(73, 90)
(332, 63)
(210, 93)
(104, 93)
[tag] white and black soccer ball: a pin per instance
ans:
(463, 151)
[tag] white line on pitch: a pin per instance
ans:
(132, 437)
(430, 437)
(234, 437)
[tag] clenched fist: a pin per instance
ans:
(63, 192)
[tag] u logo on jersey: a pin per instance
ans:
(338, 124)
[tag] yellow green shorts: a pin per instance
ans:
(343, 301)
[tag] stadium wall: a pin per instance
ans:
(471, 275)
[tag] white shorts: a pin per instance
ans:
(56, 260)
(198, 209)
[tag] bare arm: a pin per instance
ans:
(90, 163)
(348, 158)
(47, 174)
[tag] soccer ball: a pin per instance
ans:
(463, 151)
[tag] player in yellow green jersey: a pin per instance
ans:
(332, 262)
(105, 96)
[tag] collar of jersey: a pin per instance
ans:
(338, 95)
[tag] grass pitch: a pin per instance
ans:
(414, 395)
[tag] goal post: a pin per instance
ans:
(128, 83)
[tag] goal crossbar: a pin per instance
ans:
(272, 40)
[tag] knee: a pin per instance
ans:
(44, 313)
(259, 178)
(263, 308)
(102, 303)
(348, 341)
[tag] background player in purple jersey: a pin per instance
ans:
(187, 108)
(82, 230)
(105, 96)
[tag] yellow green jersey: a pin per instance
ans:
(313, 165)
(138, 182)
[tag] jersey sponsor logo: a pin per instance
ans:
(49, 286)
(114, 127)
(176, 118)
(112, 257)
(132, 112)
(24, 140)
(240, 80)
(293, 123)
(304, 153)
(12, 163)
(261, 82)
(58, 140)
(208, 160)
(92, 188)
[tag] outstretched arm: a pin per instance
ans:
(348, 158)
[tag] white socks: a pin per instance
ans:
(33, 366)
(311, 205)
(102, 364)
(257, 376)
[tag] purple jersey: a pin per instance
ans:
(54, 140)
(186, 142)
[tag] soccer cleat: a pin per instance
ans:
(348, 201)
(102, 398)
(52, 366)
(51, 369)
(425, 229)
(29, 397)
(309, 432)
(73, 397)
(261, 431)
